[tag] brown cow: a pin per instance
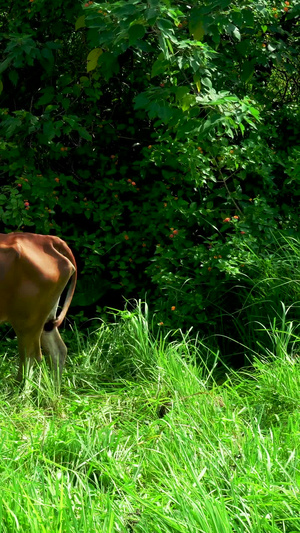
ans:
(34, 270)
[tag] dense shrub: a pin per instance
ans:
(160, 139)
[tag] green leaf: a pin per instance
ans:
(53, 46)
(207, 82)
(159, 66)
(198, 30)
(196, 24)
(47, 54)
(109, 65)
(84, 134)
(151, 15)
(66, 103)
(187, 101)
(1, 86)
(92, 59)
(141, 101)
(244, 47)
(125, 10)
(166, 27)
(47, 97)
(248, 17)
(236, 18)
(136, 32)
(181, 92)
(80, 22)
(248, 70)
(197, 81)
(236, 33)
(49, 131)
(5, 64)
(254, 112)
(13, 76)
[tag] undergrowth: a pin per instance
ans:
(146, 435)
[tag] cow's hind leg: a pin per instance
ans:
(29, 344)
(54, 346)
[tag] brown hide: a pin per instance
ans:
(34, 270)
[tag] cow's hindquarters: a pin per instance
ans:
(34, 271)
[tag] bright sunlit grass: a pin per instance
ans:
(142, 439)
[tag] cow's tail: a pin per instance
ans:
(58, 321)
(65, 251)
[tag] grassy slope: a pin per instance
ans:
(142, 440)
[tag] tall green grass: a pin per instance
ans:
(141, 438)
(267, 293)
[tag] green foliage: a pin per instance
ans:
(159, 139)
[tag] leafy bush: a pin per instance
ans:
(158, 139)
